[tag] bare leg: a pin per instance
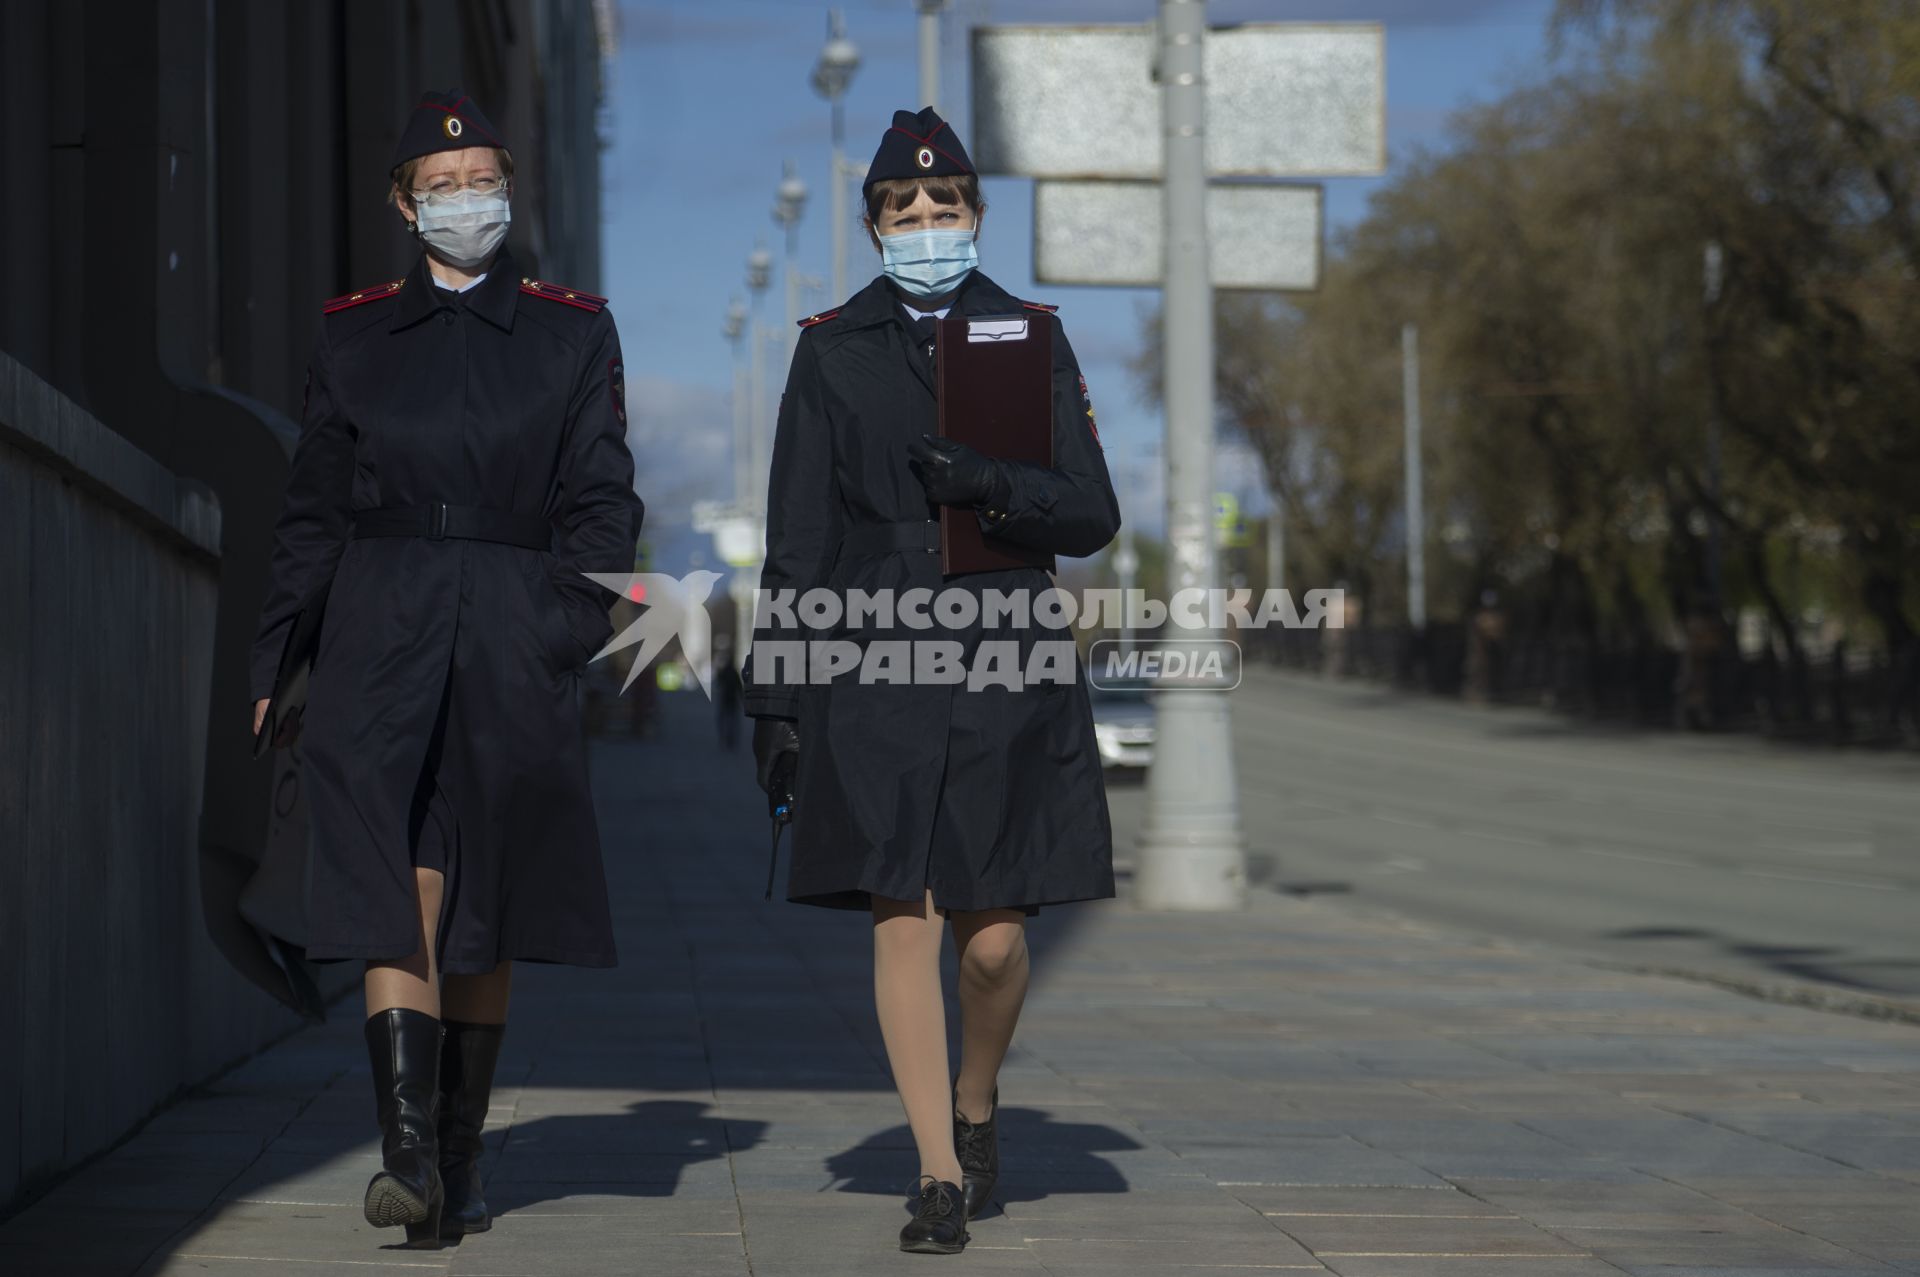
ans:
(478, 999)
(913, 1022)
(412, 982)
(993, 985)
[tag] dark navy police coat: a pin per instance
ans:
(509, 396)
(990, 796)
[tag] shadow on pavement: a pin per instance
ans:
(1819, 964)
(1052, 1156)
(646, 1151)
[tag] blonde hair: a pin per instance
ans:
(403, 173)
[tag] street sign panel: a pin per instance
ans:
(737, 533)
(1262, 237)
(739, 541)
(1283, 100)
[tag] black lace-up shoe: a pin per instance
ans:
(939, 1225)
(979, 1150)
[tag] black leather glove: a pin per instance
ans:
(773, 740)
(954, 474)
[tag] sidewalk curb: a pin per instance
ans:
(1797, 993)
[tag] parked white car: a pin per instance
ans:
(1123, 723)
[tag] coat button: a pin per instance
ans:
(446, 317)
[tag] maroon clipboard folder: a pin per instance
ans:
(994, 376)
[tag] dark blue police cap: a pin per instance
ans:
(444, 122)
(922, 145)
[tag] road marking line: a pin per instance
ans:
(1784, 876)
(1411, 822)
(287, 1259)
(1642, 858)
(1496, 834)
(1857, 850)
(1368, 1214)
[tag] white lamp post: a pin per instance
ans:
(789, 202)
(759, 275)
(831, 76)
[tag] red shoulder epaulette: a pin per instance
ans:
(561, 293)
(820, 318)
(1040, 306)
(364, 295)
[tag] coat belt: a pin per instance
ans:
(878, 538)
(468, 522)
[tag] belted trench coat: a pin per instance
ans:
(990, 796)
(508, 397)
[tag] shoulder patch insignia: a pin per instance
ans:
(617, 388)
(372, 293)
(562, 294)
(820, 318)
(1040, 306)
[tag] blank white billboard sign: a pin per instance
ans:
(1283, 100)
(1259, 237)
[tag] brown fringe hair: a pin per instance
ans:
(897, 192)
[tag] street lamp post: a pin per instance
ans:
(1191, 856)
(735, 330)
(831, 76)
(738, 330)
(930, 52)
(789, 201)
(1713, 272)
(759, 275)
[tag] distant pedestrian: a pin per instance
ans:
(462, 461)
(726, 694)
(925, 803)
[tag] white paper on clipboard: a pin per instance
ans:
(997, 329)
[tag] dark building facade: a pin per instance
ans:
(184, 182)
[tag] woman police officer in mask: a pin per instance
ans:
(929, 804)
(462, 462)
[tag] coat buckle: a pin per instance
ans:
(437, 521)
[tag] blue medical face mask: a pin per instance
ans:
(929, 263)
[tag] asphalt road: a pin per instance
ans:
(1725, 857)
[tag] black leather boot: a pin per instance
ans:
(466, 1083)
(405, 1049)
(939, 1225)
(979, 1150)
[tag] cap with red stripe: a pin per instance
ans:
(444, 122)
(918, 145)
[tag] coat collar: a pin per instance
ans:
(879, 302)
(493, 298)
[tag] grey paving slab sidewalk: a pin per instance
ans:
(1299, 1088)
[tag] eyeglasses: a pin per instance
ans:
(446, 188)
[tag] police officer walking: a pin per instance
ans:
(930, 803)
(462, 461)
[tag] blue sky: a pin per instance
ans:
(709, 97)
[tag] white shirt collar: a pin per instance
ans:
(922, 314)
(464, 287)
